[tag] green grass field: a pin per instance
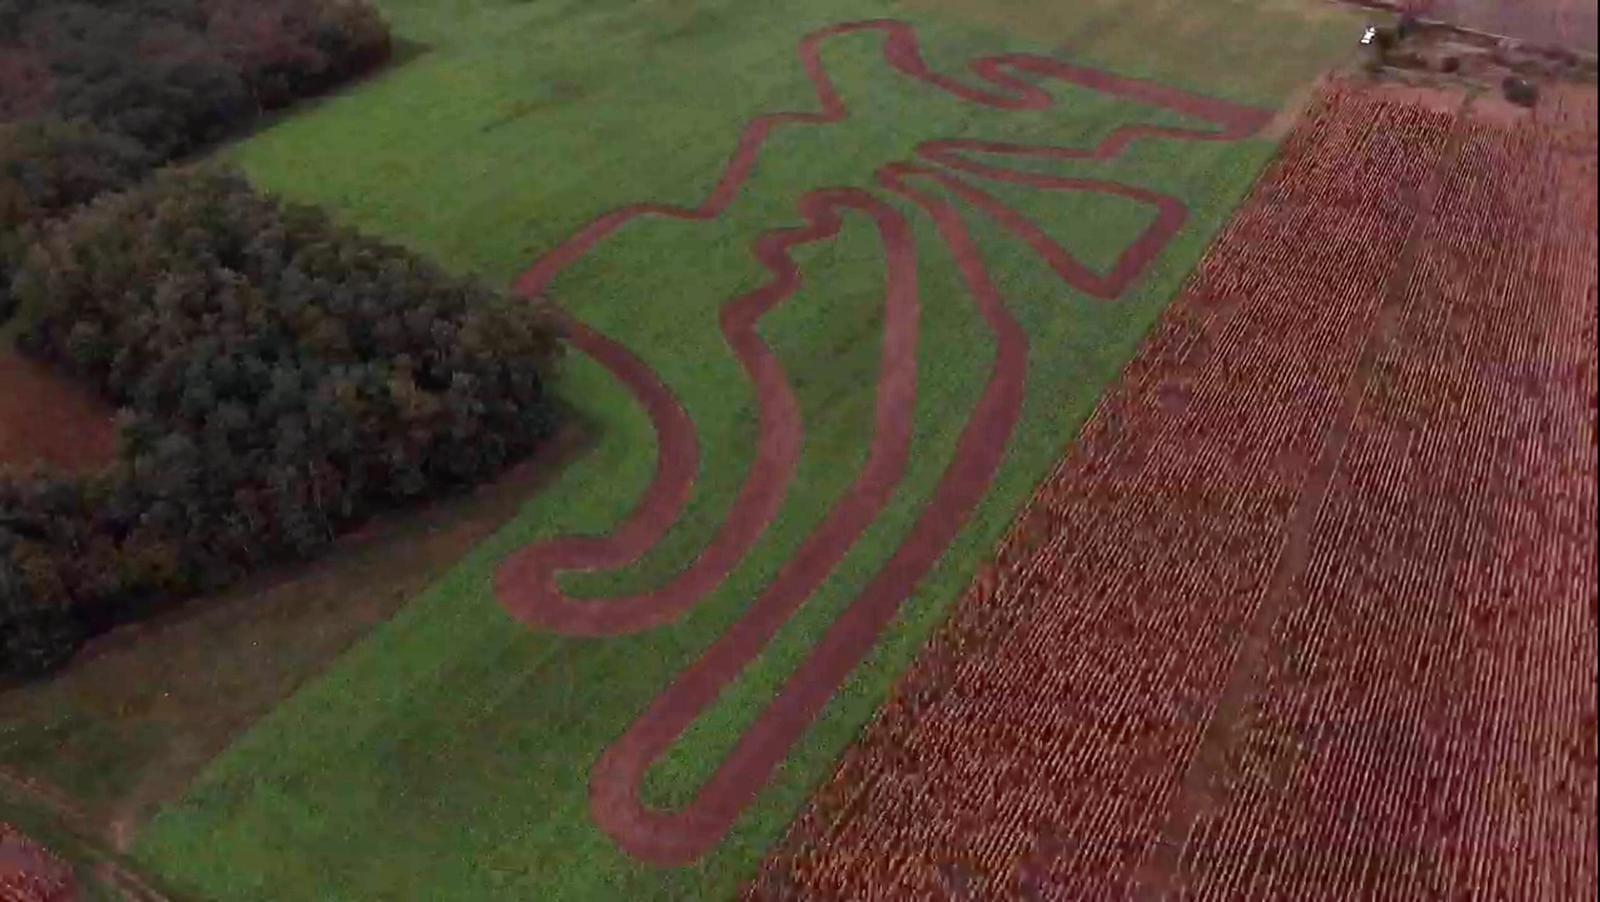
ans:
(447, 756)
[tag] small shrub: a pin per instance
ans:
(35, 636)
(1520, 91)
(353, 34)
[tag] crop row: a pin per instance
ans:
(1429, 730)
(1044, 742)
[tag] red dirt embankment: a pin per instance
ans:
(45, 419)
(1309, 610)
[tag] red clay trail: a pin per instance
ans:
(46, 419)
(528, 582)
(1170, 216)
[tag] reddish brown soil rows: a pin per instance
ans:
(44, 419)
(527, 583)
(1569, 114)
(29, 873)
(1286, 593)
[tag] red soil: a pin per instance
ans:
(1310, 609)
(45, 419)
(29, 873)
(1437, 680)
(527, 583)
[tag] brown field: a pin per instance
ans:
(1309, 610)
(47, 420)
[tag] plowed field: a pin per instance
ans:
(1310, 608)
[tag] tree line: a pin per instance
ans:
(48, 168)
(280, 378)
(95, 93)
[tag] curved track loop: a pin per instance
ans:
(1170, 216)
(527, 583)
(678, 837)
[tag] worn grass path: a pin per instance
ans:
(449, 755)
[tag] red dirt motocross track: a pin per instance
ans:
(527, 582)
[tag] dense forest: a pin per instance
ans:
(49, 168)
(174, 75)
(279, 377)
(94, 93)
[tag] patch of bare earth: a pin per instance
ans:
(46, 419)
(1561, 23)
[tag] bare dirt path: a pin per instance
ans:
(1554, 23)
(527, 582)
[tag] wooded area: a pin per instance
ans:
(280, 377)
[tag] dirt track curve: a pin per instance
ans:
(527, 582)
